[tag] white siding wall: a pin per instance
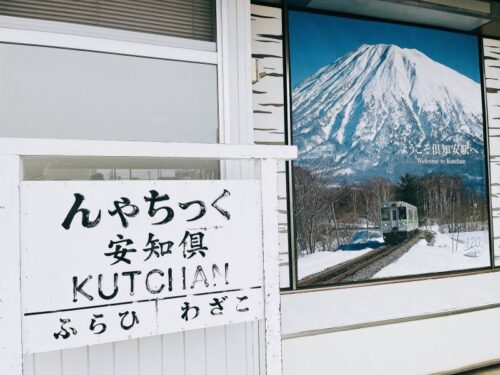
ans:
(214, 351)
(492, 79)
(413, 348)
(269, 106)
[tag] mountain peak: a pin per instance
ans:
(380, 46)
(385, 96)
(379, 49)
(383, 47)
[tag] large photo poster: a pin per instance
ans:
(391, 176)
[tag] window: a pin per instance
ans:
(147, 73)
(192, 19)
(386, 214)
(402, 213)
(59, 168)
(71, 94)
(361, 92)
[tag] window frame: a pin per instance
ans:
(43, 33)
(294, 286)
(100, 39)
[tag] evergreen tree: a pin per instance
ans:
(408, 189)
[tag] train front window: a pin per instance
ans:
(386, 214)
(402, 213)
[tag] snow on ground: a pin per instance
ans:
(319, 261)
(445, 253)
(362, 242)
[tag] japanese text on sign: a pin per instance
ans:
(107, 261)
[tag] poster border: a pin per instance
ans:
(286, 8)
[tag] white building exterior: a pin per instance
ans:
(420, 325)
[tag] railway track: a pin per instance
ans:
(346, 269)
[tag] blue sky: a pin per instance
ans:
(317, 40)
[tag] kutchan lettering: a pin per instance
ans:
(156, 282)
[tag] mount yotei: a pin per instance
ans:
(383, 111)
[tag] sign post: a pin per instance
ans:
(11, 357)
(90, 262)
(268, 171)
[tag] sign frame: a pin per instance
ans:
(11, 152)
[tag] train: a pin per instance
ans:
(399, 220)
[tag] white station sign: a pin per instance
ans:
(106, 261)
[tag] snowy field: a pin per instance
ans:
(445, 253)
(319, 261)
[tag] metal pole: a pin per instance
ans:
(453, 200)
(335, 224)
(355, 209)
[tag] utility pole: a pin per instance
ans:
(335, 224)
(355, 210)
(453, 201)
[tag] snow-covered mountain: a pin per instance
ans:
(379, 109)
